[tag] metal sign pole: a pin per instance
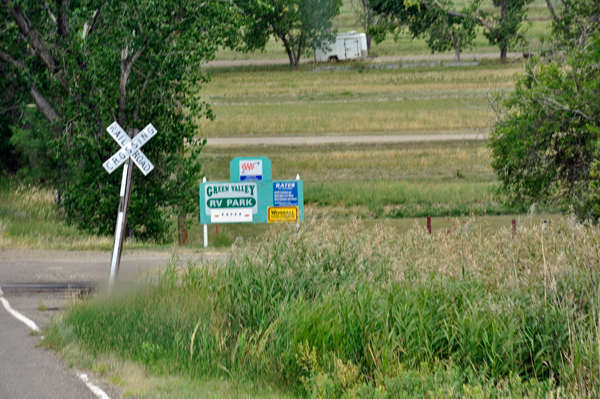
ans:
(125, 193)
(205, 225)
(129, 154)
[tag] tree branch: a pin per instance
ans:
(126, 64)
(551, 8)
(50, 14)
(40, 101)
(485, 23)
(87, 28)
(35, 41)
(553, 103)
(63, 23)
(43, 105)
(461, 15)
(7, 59)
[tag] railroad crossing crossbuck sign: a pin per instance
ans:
(130, 148)
(129, 154)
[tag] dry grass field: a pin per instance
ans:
(276, 101)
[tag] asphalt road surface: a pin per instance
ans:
(31, 277)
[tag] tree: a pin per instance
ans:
(10, 157)
(299, 24)
(446, 30)
(369, 21)
(503, 27)
(546, 147)
(87, 63)
(574, 21)
(429, 16)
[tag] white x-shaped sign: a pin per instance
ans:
(129, 148)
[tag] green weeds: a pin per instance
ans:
(370, 314)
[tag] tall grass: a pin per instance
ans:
(258, 83)
(388, 198)
(29, 218)
(367, 116)
(390, 180)
(353, 313)
(343, 162)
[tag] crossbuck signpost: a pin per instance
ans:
(129, 154)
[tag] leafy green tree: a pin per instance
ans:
(371, 23)
(299, 24)
(443, 25)
(445, 29)
(10, 157)
(449, 32)
(573, 21)
(87, 63)
(546, 146)
(503, 26)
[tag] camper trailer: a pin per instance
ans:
(347, 46)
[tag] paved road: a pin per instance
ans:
(27, 372)
(383, 59)
(316, 140)
(30, 372)
(30, 266)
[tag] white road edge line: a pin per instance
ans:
(29, 323)
(94, 388)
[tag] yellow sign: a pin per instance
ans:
(282, 214)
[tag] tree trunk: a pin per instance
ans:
(457, 50)
(35, 42)
(503, 53)
(288, 50)
(182, 233)
(299, 52)
(455, 43)
(126, 64)
(503, 15)
(369, 38)
(567, 28)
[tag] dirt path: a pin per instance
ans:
(388, 58)
(318, 140)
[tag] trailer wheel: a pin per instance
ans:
(333, 59)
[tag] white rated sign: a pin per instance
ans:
(130, 148)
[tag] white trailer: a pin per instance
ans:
(347, 46)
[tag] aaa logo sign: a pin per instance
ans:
(231, 195)
(251, 169)
(282, 214)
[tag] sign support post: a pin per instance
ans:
(125, 194)
(129, 154)
(205, 225)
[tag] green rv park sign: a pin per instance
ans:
(252, 196)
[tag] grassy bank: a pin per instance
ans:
(370, 313)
